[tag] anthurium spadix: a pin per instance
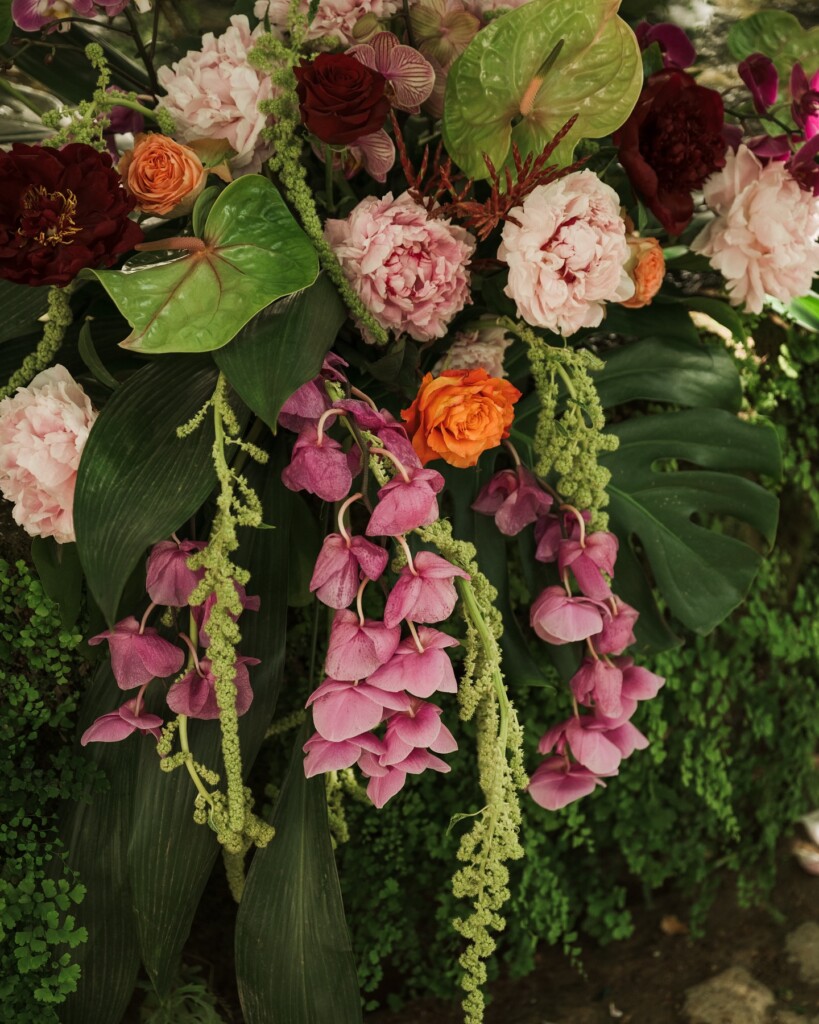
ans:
(527, 73)
(198, 293)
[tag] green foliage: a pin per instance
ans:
(190, 1002)
(38, 892)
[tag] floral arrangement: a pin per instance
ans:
(356, 307)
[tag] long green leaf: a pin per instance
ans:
(137, 481)
(282, 348)
(170, 857)
(96, 836)
(22, 306)
(294, 959)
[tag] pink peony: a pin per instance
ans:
(43, 430)
(568, 253)
(764, 236)
(336, 19)
(484, 346)
(409, 269)
(214, 93)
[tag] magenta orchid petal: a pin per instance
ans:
(444, 742)
(547, 538)
(554, 784)
(335, 577)
(371, 766)
(580, 561)
(340, 716)
(427, 595)
(759, 74)
(419, 673)
(201, 612)
(319, 468)
(419, 726)
(553, 739)
(601, 683)
(805, 100)
(371, 558)
(325, 756)
(194, 694)
(592, 747)
(305, 406)
(618, 630)
(137, 658)
(396, 748)
(409, 75)
(560, 619)
(355, 650)
(142, 720)
(638, 682)
(381, 789)
(376, 152)
(677, 49)
(419, 760)
(514, 498)
(169, 581)
(627, 738)
(406, 505)
(110, 728)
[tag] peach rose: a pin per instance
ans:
(162, 175)
(646, 268)
(460, 414)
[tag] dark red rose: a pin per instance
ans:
(670, 144)
(61, 210)
(340, 100)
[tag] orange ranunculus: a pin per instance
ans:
(162, 175)
(646, 268)
(460, 414)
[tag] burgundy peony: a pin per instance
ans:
(671, 143)
(340, 99)
(61, 210)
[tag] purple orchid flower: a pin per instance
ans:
(588, 561)
(638, 682)
(169, 581)
(599, 682)
(319, 465)
(558, 782)
(419, 672)
(328, 756)
(618, 629)
(137, 656)
(357, 648)
(195, 693)
(805, 101)
(119, 724)
(514, 498)
(759, 74)
(406, 504)
(424, 591)
(558, 618)
(340, 566)
(677, 49)
(410, 76)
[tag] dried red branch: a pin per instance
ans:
(450, 194)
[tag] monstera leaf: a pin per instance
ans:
(254, 253)
(492, 97)
(681, 496)
(779, 36)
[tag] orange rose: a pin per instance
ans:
(646, 268)
(460, 414)
(162, 175)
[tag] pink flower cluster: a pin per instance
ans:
(139, 654)
(374, 675)
(586, 748)
(43, 430)
(410, 270)
(214, 93)
(335, 19)
(31, 15)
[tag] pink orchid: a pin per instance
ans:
(618, 629)
(375, 153)
(328, 756)
(195, 693)
(391, 433)
(169, 580)
(306, 405)
(118, 724)
(588, 560)
(419, 728)
(138, 657)
(759, 74)
(406, 504)
(560, 619)
(343, 708)
(387, 780)
(805, 100)
(549, 531)
(556, 782)
(638, 682)
(340, 565)
(202, 612)
(420, 673)
(600, 682)
(514, 498)
(357, 648)
(410, 76)
(318, 465)
(803, 167)
(677, 49)
(425, 592)
(588, 737)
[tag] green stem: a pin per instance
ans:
(142, 49)
(328, 181)
(185, 747)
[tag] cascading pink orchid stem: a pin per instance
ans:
(322, 420)
(194, 658)
(420, 647)
(351, 500)
(513, 452)
(144, 621)
(402, 540)
(359, 598)
(593, 652)
(399, 465)
(364, 397)
(580, 520)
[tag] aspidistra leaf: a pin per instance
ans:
(254, 253)
(596, 75)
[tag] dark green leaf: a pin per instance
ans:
(779, 35)
(6, 23)
(670, 370)
(282, 348)
(22, 306)
(719, 311)
(804, 311)
(171, 857)
(90, 356)
(95, 834)
(294, 959)
(306, 538)
(60, 572)
(254, 253)
(137, 481)
(659, 320)
(702, 572)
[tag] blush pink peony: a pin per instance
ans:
(335, 19)
(410, 270)
(43, 430)
(763, 239)
(214, 93)
(484, 345)
(567, 253)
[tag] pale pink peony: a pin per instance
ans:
(568, 253)
(409, 269)
(214, 93)
(335, 19)
(764, 237)
(484, 346)
(43, 430)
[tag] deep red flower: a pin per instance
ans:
(671, 143)
(340, 100)
(61, 210)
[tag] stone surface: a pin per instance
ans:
(789, 1017)
(732, 997)
(803, 948)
